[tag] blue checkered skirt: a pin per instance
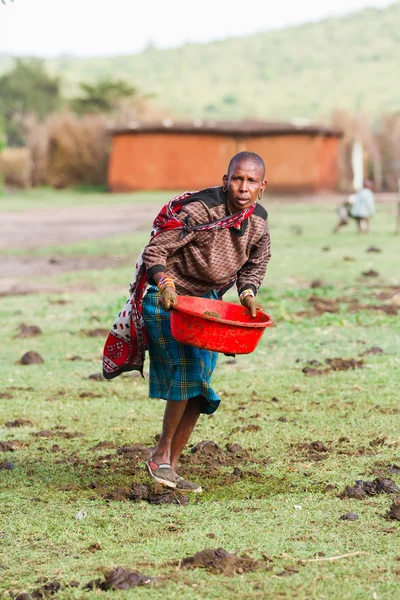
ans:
(177, 371)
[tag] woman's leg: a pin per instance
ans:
(172, 416)
(185, 428)
(180, 419)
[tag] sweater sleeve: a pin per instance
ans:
(252, 273)
(163, 245)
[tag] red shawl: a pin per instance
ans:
(126, 344)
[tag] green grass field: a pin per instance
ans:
(280, 501)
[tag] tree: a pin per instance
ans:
(102, 96)
(27, 89)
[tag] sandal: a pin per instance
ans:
(162, 473)
(187, 486)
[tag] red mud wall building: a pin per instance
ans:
(299, 158)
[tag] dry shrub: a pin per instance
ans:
(388, 138)
(37, 142)
(16, 167)
(77, 150)
(344, 121)
(357, 128)
(142, 108)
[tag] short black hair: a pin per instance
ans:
(251, 156)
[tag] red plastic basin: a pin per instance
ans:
(216, 325)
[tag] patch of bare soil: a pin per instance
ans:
(390, 305)
(37, 228)
(392, 293)
(97, 377)
(207, 458)
(58, 432)
(316, 283)
(6, 465)
(98, 332)
(12, 445)
(210, 452)
(362, 489)
(104, 445)
(25, 267)
(67, 225)
(370, 273)
(380, 468)
(10, 286)
(288, 571)
(344, 364)
(152, 493)
(246, 428)
(157, 494)
(135, 453)
(323, 305)
(314, 451)
(312, 372)
(372, 350)
(379, 441)
(388, 309)
(394, 510)
(239, 474)
(218, 560)
(19, 423)
(28, 331)
(114, 579)
(120, 579)
(349, 516)
(89, 395)
(45, 591)
(334, 364)
(31, 358)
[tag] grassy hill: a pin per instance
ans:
(349, 62)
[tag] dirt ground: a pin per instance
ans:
(39, 228)
(44, 227)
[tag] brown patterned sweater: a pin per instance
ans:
(207, 260)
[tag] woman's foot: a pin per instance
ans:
(187, 486)
(161, 473)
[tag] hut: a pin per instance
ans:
(300, 156)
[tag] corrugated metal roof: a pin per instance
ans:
(236, 128)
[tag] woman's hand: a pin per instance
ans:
(168, 298)
(168, 295)
(250, 303)
(248, 300)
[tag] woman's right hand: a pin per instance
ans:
(168, 298)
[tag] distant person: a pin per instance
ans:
(202, 243)
(360, 207)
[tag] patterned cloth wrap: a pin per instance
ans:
(177, 371)
(126, 343)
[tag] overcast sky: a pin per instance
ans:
(93, 27)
